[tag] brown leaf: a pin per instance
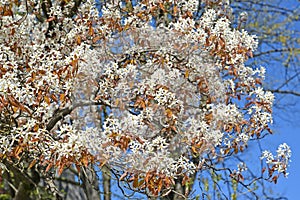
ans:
(54, 98)
(77, 168)
(263, 170)
(85, 160)
(209, 117)
(60, 169)
(161, 6)
(48, 167)
(13, 101)
(241, 148)
(15, 109)
(50, 19)
(194, 149)
(25, 109)
(274, 179)
(141, 182)
(269, 130)
(78, 40)
(148, 177)
(102, 163)
(96, 39)
(185, 179)
(36, 128)
(240, 177)
(135, 182)
(236, 150)
(186, 74)
(47, 100)
(97, 97)
(35, 140)
(160, 184)
(17, 151)
(91, 31)
(169, 113)
(175, 10)
(140, 140)
(74, 62)
(62, 97)
(32, 164)
(8, 13)
(123, 176)
(226, 151)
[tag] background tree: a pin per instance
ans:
(276, 23)
(151, 93)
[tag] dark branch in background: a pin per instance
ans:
(24, 182)
(65, 180)
(284, 92)
(60, 114)
(246, 186)
(106, 182)
(117, 176)
(288, 80)
(74, 8)
(46, 6)
(276, 51)
(90, 183)
(271, 7)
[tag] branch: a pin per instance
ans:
(230, 172)
(284, 92)
(276, 51)
(46, 7)
(60, 114)
(264, 5)
(68, 181)
(74, 9)
(288, 80)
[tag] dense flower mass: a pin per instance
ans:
(150, 94)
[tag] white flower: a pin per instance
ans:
(242, 167)
(281, 160)
(268, 156)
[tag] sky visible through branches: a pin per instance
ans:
(286, 113)
(286, 125)
(287, 119)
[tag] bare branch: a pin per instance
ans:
(276, 51)
(284, 92)
(60, 114)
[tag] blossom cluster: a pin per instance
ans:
(279, 162)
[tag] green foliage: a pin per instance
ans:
(5, 197)
(234, 187)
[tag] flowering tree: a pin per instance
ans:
(151, 91)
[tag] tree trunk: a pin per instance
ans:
(90, 183)
(181, 192)
(70, 190)
(24, 182)
(23, 192)
(106, 183)
(177, 193)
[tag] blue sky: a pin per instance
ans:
(286, 129)
(289, 133)
(286, 115)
